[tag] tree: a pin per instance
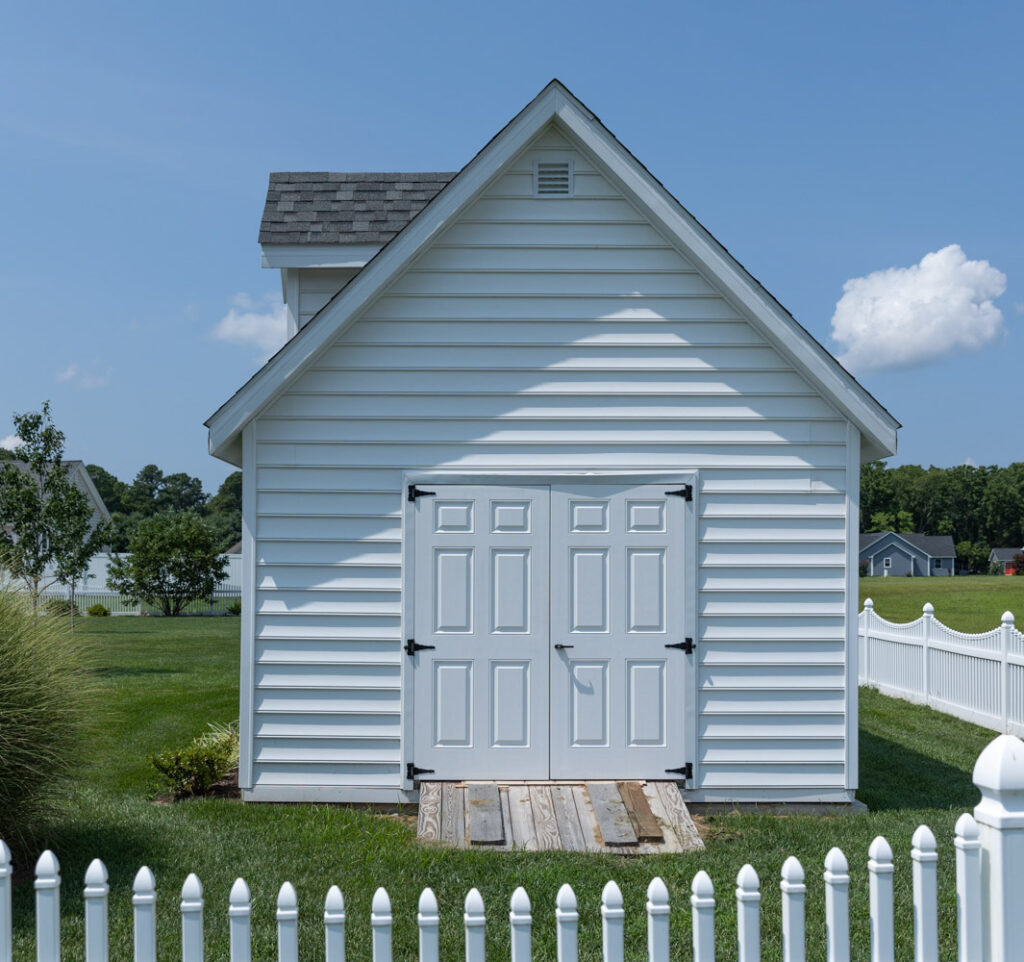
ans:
(174, 560)
(45, 520)
(110, 489)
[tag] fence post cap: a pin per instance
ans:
(702, 887)
(967, 828)
(47, 867)
(381, 904)
(792, 871)
(239, 894)
(474, 907)
(1008, 619)
(999, 776)
(611, 896)
(192, 888)
(96, 873)
(427, 904)
(657, 892)
(748, 885)
(334, 904)
(868, 603)
(928, 609)
(145, 882)
(924, 848)
(880, 851)
(836, 866)
(287, 898)
(5, 853)
(566, 898)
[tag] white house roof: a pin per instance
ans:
(556, 104)
(80, 477)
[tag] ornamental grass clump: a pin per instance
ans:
(45, 706)
(194, 770)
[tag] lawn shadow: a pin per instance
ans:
(118, 671)
(894, 776)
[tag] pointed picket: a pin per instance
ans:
(380, 923)
(287, 924)
(968, 888)
(239, 922)
(567, 918)
(473, 919)
(657, 921)
(880, 875)
(144, 910)
(6, 921)
(612, 923)
(47, 887)
(429, 921)
(837, 906)
(925, 856)
(94, 895)
(794, 940)
(702, 907)
(334, 925)
(192, 919)
(521, 922)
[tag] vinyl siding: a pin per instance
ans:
(550, 334)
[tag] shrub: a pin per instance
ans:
(98, 611)
(60, 606)
(45, 704)
(196, 768)
(235, 608)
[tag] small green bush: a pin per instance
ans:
(235, 608)
(196, 768)
(60, 606)
(98, 611)
(45, 706)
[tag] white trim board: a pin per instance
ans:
(555, 104)
(317, 255)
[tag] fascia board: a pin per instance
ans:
(317, 255)
(797, 346)
(93, 492)
(367, 285)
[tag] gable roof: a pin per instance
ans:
(556, 105)
(80, 477)
(342, 208)
(933, 545)
(1004, 554)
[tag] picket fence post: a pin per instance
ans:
(880, 882)
(702, 907)
(521, 923)
(94, 895)
(428, 919)
(473, 918)
(837, 906)
(969, 919)
(924, 855)
(334, 925)
(657, 921)
(612, 923)
(567, 918)
(287, 924)
(748, 914)
(192, 919)
(47, 887)
(1006, 630)
(144, 910)
(380, 922)
(239, 913)
(794, 942)
(927, 617)
(999, 776)
(6, 924)
(869, 610)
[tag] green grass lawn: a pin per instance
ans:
(163, 680)
(973, 603)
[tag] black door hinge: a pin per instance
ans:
(686, 646)
(411, 771)
(685, 492)
(411, 647)
(415, 492)
(686, 772)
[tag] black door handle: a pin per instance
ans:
(563, 647)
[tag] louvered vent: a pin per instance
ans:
(553, 178)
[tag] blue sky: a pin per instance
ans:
(819, 142)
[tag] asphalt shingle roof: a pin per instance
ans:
(1005, 554)
(344, 208)
(934, 545)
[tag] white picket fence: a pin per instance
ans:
(979, 678)
(989, 883)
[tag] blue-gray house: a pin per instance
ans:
(889, 553)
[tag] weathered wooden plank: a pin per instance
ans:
(428, 823)
(544, 818)
(524, 835)
(678, 816)
(644, 823)
(453, 817)
(506, 818)
(611, 814)
(567, 818)
(669, 843)
(484, 805)
(588, 820)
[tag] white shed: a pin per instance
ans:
(543, 485)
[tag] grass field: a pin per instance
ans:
(973, 603)
(162, 680)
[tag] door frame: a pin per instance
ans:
(511, 478)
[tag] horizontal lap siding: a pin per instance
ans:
(550, 334)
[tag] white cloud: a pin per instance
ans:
(10, 442)
(259, 322)
(970, 462)
(86, 378)
(908, 315)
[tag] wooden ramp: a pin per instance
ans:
(626, 818)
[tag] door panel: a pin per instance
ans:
(617, 591)
(481, 599)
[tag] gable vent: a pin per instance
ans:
(553, 178)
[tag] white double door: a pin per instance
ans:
(552, 616)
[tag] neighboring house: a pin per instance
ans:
(1004, 557)
(890, 553)
(81, 479)
(543, 485)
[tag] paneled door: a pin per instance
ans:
(480, 604)
(617, 605)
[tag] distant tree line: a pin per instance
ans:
(154, 493)
(981, 507)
